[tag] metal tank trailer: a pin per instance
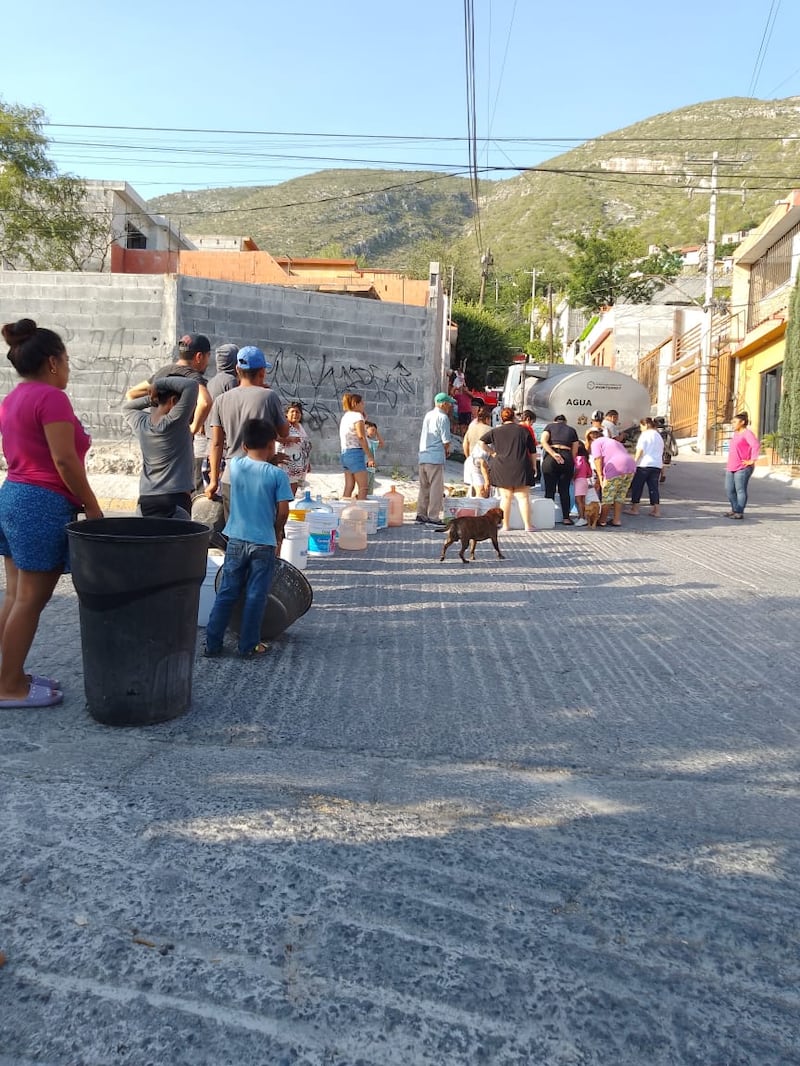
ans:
(552, 389)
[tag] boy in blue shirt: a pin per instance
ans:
(260, 496)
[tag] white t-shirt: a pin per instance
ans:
(348, 438)
(651, 446)
(610, 429)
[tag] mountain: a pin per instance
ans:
(653, 175)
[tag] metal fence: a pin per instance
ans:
(782, 449)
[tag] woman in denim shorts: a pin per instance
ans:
(356, 452)
(45, 446)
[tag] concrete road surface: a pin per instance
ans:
(534, 811)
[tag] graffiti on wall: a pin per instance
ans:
(320, 382)
(103, 367)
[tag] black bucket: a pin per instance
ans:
(290, 596)
(138, 584)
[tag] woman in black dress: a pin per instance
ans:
(511, 467)
(560, 446)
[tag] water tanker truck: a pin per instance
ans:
(552, 389)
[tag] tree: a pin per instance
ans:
(610, 268)
(789, 416)
(482, 342)
(46, 222)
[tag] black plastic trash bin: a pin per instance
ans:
(138, 584)
(290, 596)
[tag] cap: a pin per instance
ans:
(252, 358)
(442, 397)
(193, 344)
(597, 416)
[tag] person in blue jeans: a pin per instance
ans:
(260, 495)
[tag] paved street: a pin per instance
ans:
(534, 811)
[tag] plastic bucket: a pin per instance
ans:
(290, 596)
(543, 513)
(208, 589)
(322, 531)
(138, 584)
(451, 506)
(372, 509)
(294, 548)
(383, 510)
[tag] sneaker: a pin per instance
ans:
(211, 653)
(581, 522)
(422, 521)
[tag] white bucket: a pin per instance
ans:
(294, 548)
(383, 510)
(322, 532)
(453, 505)
(372, 507)
(543, 513)
(207, 590)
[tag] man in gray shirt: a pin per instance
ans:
(164, 435)
(252, 399)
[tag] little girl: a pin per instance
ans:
(580, 481)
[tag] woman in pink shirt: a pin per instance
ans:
(743, 452)
(46, 485)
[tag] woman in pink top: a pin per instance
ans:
(615, 468)
(46, 485)
(743, 452)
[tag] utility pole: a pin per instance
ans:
(486, 262)
(708, 314)
(550, 330)
(533, 297)
(704, 369)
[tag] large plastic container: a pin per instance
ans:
(323, 527)
(301, 508)
(352, 529)
(208, 588)
(396, 503)
(543, 513)
(372, 509)
(138, 584)
(290, 596)
(383, 510)
(294, 548)
(457, 506)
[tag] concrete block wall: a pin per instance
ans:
(323, 346)
(116, 328)
(119, 328)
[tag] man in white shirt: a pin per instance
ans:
(434, 448)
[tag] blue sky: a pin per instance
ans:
(546, 75)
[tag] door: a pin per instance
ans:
(770, 402)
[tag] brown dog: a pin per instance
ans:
(472, 528)
(591, 513)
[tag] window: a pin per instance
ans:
(768, 273)
(134, 238)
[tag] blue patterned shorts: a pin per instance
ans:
(33, 524)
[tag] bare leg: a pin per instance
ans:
(506, 496)
(580, 502)
(11, 593)
(34, 589)
(349, 483)
(524, 500)
(617, 509)
(361, 479)
(605, 510)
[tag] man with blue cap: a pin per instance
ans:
(434, 448)
(252, 399)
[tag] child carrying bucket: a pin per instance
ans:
(260, 495)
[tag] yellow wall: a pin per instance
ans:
(748, 382)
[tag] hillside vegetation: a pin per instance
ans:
(653, 175)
